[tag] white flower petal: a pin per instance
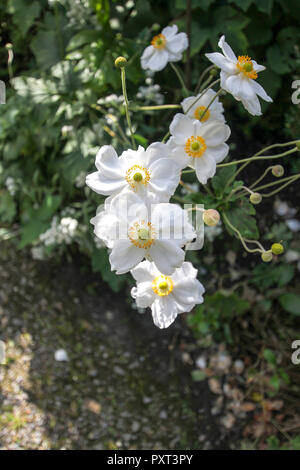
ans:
(253, 106)
(178, 154)
(157, 61)
(143, 294)
(258, 89)
(104, 185)
(188, 293)
(178, 43)
(125, 256)
(164, 312)
(144, 272)
(146, 56)
(205, 168)
(170, 31)
(172, 223)
(166, 255)
(213, 132)
(181, 128)
(165, 177)
(222, 62)
(257, 67)
(218, 153)
(227, 51)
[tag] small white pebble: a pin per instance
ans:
(61, 355)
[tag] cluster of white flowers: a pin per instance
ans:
(11, 185)
(61, 231)
(150, 93)
(111, 99)
(137, 221)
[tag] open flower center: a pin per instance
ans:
(142, 234)
(245, 65)
(159, 41)
(137, 175)
(162, 285)
(195, 146)
(199, 113)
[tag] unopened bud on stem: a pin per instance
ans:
(121, 62)
(267, 256)
(278, 171)
(255, 198)
(211, 217)
(277, 249)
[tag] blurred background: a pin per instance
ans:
(84, 369)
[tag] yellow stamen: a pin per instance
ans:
(199, 114)
(142, 234)
(162, 285)
(195, 146)
(245, 65)
(159, 41)
(137, 175)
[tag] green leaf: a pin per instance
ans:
(243, 4)
(270, 357)
(199, 37)
(265, 6)
(290, 303)
(24, 14)
(7, 206)
(83, 37)
(277, 59)
(221, 178)
(240, 216)
(48, 48)
(32, 230)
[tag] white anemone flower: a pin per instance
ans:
(198, 145)
(135, 231)
(150, 173)
(166, 295)
(195, 107)
(238, 77)
(165, 47)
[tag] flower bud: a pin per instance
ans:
(213, 72)
(266, 256)
(8, 46)
(255, 198)
(121, 62)
(277, 249)
(278, 171)
(211, 217)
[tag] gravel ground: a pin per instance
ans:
(123, 383)
(113, 392)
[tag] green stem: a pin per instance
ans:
(123, 80)
(156, 108)
(208, 69)
(179, 77)
(261, 177)
(274, 183)
(254, 157)
(281, 187)
(250, 250)
(266, 157)
(203, 93)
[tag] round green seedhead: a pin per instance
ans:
(267, 256)
(277, 249)
(120, 62)
(255, 198)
